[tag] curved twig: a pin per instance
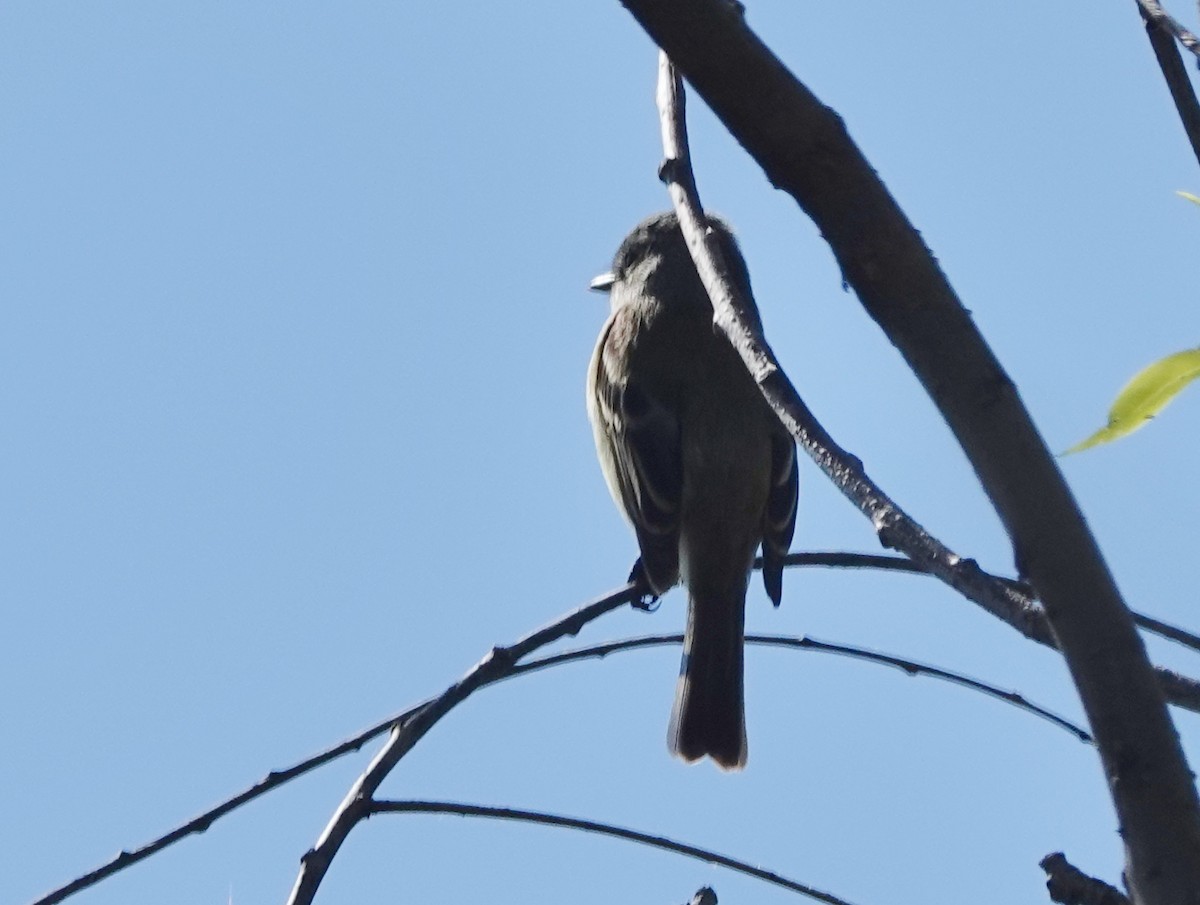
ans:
(889, 563)
(604, 829)
(1168, 631)
(910, 667)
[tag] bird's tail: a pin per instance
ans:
(709, 715)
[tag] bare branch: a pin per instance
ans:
(604, 829)
(887, 563)
(1071, 886)
(843, 560)
(895, 528)
(909, 667)
(1168, 631)
(804, 148)
(499, 663)
(1180, 690)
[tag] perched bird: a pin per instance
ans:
(698, 463)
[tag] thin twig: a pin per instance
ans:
(604, 829)
(1168, 631)
(910, 667)
(490, 670)
(1162, 31)
(894, 527)
(200, 824)
(889, 563)
(838, 559)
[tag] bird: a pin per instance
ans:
(697, 462)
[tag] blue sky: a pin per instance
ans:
(295, 325)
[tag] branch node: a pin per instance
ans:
(890, 538)
(668, 170)
(502, 657)
(1069, 885)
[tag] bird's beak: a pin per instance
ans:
(603, 283)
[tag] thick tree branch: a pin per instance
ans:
(804, 149)
(1153, 9)
(1162, 31)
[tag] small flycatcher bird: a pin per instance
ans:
(697, 461)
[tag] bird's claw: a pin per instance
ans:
(647, 600)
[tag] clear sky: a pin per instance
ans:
(294, 331)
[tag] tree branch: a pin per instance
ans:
(200, 824)
(909, 667)
(1162, 31)
(277, 778)
(1153, 9)
(499, 663)
(804, 149)
(1027, 605)
(604, 829)
(1180, 690)
(839, 559)
(1168, 631)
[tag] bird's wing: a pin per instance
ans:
(638, 440)
(780, 521)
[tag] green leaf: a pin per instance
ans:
(1189, 196)
(1145, 395)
